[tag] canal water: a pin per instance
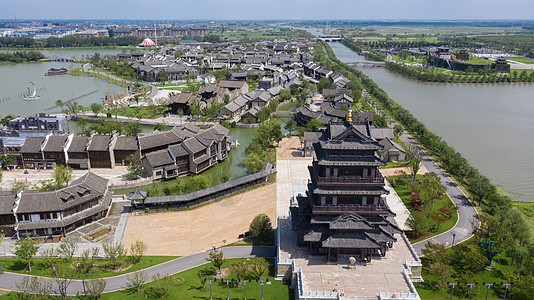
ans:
(491, 125)
(15, 80)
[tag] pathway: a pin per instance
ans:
(467, 214)
(8, 280)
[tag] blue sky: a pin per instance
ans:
(267, 9)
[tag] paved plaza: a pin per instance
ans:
(381, 275)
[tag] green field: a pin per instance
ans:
(186, 285)
(521, 60)
(404, 193)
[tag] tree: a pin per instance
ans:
(290, 126)
(95, 287)
(417, 222)
(261, 227)
(431, 188)
(161, 127)
(137, 249)
(161, 285)
(294, 88)
(258, 267)
(313, 125)
(136, 280)
(7, 159)
(96, 108)
(436, 252)
(275, 131)
(415, 156)
(263, 114)
(442, 272)
(113, 251)
(27, 248)
(254, 162)
(63, 279)
(216, 257)
(72, 106)
(240, 269)
(492, 235)
(134, 165)
(34, 288)
(132, 129)
(284, 95)
(62, 176)
(60, 104)
(67, 249)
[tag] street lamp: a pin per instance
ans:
(261, 282)
(489, 285)
(210, 281)
(245, 283)
(506, 285)
(453, 237)
(227, 291)
(470, 287)
(453, 285)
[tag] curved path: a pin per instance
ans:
(467, 214)
(8, 280)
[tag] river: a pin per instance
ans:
(15, 79)
(491, 125)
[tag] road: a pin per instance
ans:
(8, 280)
(467, 214)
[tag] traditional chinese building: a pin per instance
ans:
(344, 212)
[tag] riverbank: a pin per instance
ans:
(81, 72)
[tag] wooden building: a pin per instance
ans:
(344, 212)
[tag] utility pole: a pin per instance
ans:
(245, 283)
(227, 290)
(453, 237)
(261, 282)
(489, 285)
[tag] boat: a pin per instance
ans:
(54, 71)
(32, 93)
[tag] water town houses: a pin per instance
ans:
(192, 150)
(55, 212)
(344, 212)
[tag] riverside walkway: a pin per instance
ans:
(467, 215)
(8, 280)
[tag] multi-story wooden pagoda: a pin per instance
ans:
(344, 211)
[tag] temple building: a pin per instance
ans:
(344, 212)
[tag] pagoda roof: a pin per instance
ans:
(351, 240)
(317, 234)
(351, 161)
(350, 221)
(349, 144)
(137, 195)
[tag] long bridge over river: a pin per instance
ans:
(367, 64)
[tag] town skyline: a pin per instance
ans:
(273, 10)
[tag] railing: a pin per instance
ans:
(341, 208)
(378, 179)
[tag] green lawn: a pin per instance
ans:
(15, 265)
(186, 285)
(79, 72)
(404, 193)
(397, 164)
(477, 60)
(521, 60)
(143, 112)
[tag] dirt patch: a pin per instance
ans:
(186, 232)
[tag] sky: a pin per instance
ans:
(269, 9)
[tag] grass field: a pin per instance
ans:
(521, 60)
(15, 265)
(404, 193)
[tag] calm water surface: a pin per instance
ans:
(15, 78)
(492, 125)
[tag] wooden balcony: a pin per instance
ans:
(359, 209)
(378, 180)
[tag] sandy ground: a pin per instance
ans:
(290, 148)
(397, 171)
(188, 232)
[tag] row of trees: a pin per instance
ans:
(502, 227)
(21, 56)
(68, 41)
(430, 74)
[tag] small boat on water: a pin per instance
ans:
(32, 93)
(54, 71)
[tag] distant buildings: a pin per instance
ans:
(39, 123)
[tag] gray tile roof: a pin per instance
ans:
(55, 143)
(193, 145)
(159, 158)
(6, 204)
(32, 145)
(78, 144)
(126, 143)
(351, 240)
(99, 143)
(178, 150)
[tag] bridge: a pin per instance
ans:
(330, 38)
(369, 64)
